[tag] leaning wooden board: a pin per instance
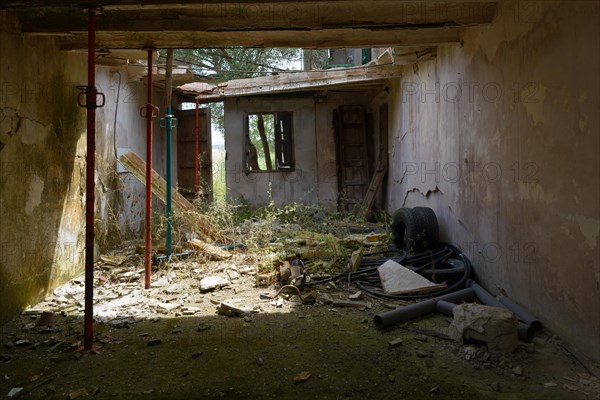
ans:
(134, 164)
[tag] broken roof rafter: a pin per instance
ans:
(306, 80)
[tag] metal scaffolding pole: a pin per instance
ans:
(149, 112)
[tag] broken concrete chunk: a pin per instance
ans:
(212, 282)
(232, 274)
(397, 279)
(230, 310)
(168, 306)
(162, 282)
(496, 327)
(395, 343)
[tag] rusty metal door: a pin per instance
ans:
(186, 154)
(353, 167)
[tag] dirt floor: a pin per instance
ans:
(168, 342)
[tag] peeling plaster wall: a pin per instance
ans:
(500, 136)
(42, 165)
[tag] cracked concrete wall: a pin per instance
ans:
(500, 136)
(42, 165)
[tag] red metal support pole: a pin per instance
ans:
(196, 132)
(90, 104)
(150, 114)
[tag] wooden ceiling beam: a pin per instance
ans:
(223, 17)
(330, 38)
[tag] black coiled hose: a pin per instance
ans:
(366, 278)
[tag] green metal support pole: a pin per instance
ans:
(168, 125)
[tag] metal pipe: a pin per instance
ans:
(504, 302)
(445, 307)
(525, 332)
(483, 295)
(90, 184)
(196, 167)
(168, 117)
(149, 116)
(523, 315)
(388, 318)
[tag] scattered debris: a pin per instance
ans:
(357, 295)
(115, 261)
(395, 343)
(517, 370)
(302, 377)
(421, 354)
(77, 394)
(14, 391)
(356, 259)
(342, 303)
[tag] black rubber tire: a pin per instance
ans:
(450, 268)
(404, 228)
(428, 231)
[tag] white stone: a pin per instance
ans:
(397, 279)
(212, 282)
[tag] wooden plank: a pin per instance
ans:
(373, 189)
(226, 17)
(213, 252)
(134, 164)
(294, 82)
(324, 39)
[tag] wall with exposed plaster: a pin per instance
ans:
(314, 180)
(500, 137)
(42, 165)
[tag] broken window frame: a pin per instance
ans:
(283, 142)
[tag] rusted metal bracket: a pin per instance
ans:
(88, 97)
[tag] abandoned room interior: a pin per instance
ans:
(408, 209)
